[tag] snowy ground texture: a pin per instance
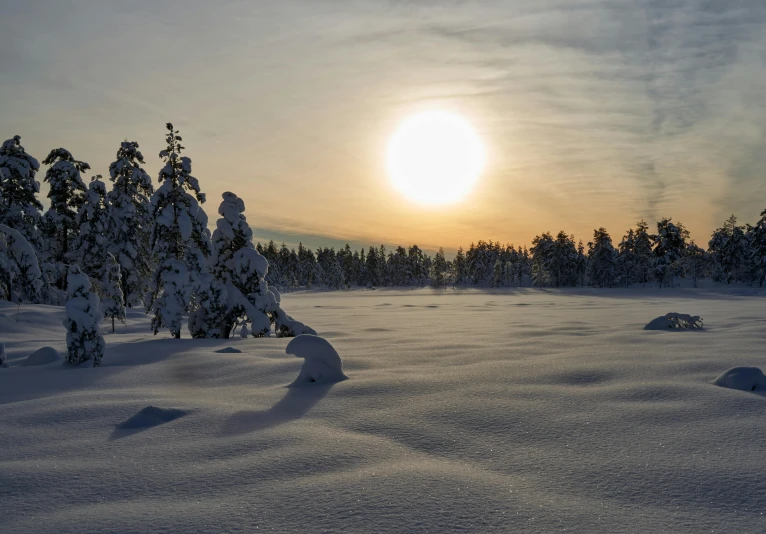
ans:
(517, 411)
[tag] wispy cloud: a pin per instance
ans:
(595, 112)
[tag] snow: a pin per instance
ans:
(151, 416)
(742, 378)
(322, 364)
(465, 411)
(229, 350)
(42, 356)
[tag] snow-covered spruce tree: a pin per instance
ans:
(332, 274)
(20, 276)
(92, 241)
(67, 194)
(461, 275)
(19, 206)
(237, 263)
(112, 301)
(83, 333)
(180, 240)
(601, 259)
(130, 221)
(642, 253)
(626, 261)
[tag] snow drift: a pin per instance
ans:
(743, 379)
(43, 356)
(322, 363)
(151, 416)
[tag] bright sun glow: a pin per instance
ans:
(435, 158)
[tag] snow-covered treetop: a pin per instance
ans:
(64, 176)
(177, 168)
(126, 172)
(17, 174)
(76, 282)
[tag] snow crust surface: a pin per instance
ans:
(466, 411)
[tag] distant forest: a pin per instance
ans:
(130, 233)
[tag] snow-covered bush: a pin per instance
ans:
(743, 379)
(112, 301)
(20, 276)
(322, 363)
(3, 357)
(130, 221)
(83, 339)
(674, 320)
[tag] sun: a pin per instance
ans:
(435, 158)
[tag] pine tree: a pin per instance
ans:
(130, 221)
(498, 273)
(626, 261)
(67, 194)
(84, 340)
(642, 252)
(461, 276)
(180, 240)
(758, 249)
(92, 241)
(439, 270)
(669, 247)
(19, 206)
(694, 262)
(601, 259)
(112, 300)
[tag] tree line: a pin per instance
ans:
(141, 246)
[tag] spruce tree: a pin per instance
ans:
(20, 276)
(67, 194)
(601, 259)
(19, 206)
(92, 240)
(461, 275)
(180, 239)
(130, 221)
(642, 253)
(439, 270)
(112, 300)
(758, 249)
(669, 247)
(84, 340)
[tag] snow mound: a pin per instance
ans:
(151, 416)
(229, 350)
(743, 379)
(674, 320)
(42, 356)
(322, 363)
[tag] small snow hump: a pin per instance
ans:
(151, 416)
(228, 350)
(322, 363)
(678, 321)
(743, 379)
(43, 356)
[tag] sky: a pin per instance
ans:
(593, 113)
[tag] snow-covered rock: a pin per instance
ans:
(674, 320)
(42, 356)
(742, 378)
(151, 416)
(322, 363)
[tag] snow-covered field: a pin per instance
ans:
(515, 411)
